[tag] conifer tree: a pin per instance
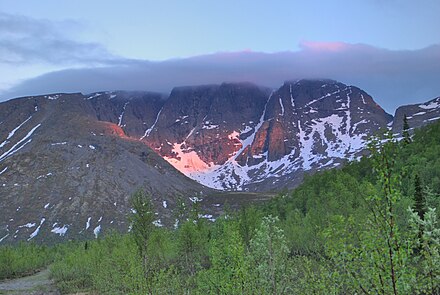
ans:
(406, 136)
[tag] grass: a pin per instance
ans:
(23, 259)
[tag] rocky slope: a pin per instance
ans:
(418, 115)
(69, 162)
(63, 172)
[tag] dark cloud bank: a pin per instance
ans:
(25, 40)
(393, 78)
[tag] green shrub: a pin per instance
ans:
(23, 259)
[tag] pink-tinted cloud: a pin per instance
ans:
(325, 46)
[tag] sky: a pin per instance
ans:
(389, 48)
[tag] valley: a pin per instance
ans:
(70, 162)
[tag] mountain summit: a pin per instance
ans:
(69, 162)
(240, 136)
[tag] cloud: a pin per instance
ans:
(25, 40)
(392, 77)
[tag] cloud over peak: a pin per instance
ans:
(392, 77)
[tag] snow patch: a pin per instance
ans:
(432, 119)
(195, 199)
(207, 216)
(282, 106)
(37, 230)
(96, 231)
(28, 225)
(95, 95)
(292, 101)
(59, 143)
(209, 127)
(233, 135)
(88, 223)
(60, 230)
(363, 99)
(186, 161)
(431, 105)
(52, 97)
(246, 130)
(157, 223)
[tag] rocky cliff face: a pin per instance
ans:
(69, 162)
(240, 136)
(417, 114)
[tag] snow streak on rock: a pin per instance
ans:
(88, 223)
(148, 131)
(17, 146)
(35, 233)
(96, 231)
(121, 116)
(4, 170)
(13, 132)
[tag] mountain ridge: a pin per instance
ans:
(69, 162)
(249, 138)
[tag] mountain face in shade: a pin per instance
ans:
(240, 136)
(417, 114)
(69, 162)
(66, 174)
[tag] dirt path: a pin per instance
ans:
(37, 284)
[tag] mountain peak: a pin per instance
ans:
(232, 136)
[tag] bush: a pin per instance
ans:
(24, 259)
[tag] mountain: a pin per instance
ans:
(69, 162)
(67, 168)
(243, 137)
(418, 115)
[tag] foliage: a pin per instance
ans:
(23, 259)
(405, 132)
(228, 272)
(426, 234)
(269, 258)
(370, 227)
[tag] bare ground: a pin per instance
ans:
(36, 284)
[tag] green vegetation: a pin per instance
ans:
(368, 228)
(22, 259)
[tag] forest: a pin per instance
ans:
(370, 227)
